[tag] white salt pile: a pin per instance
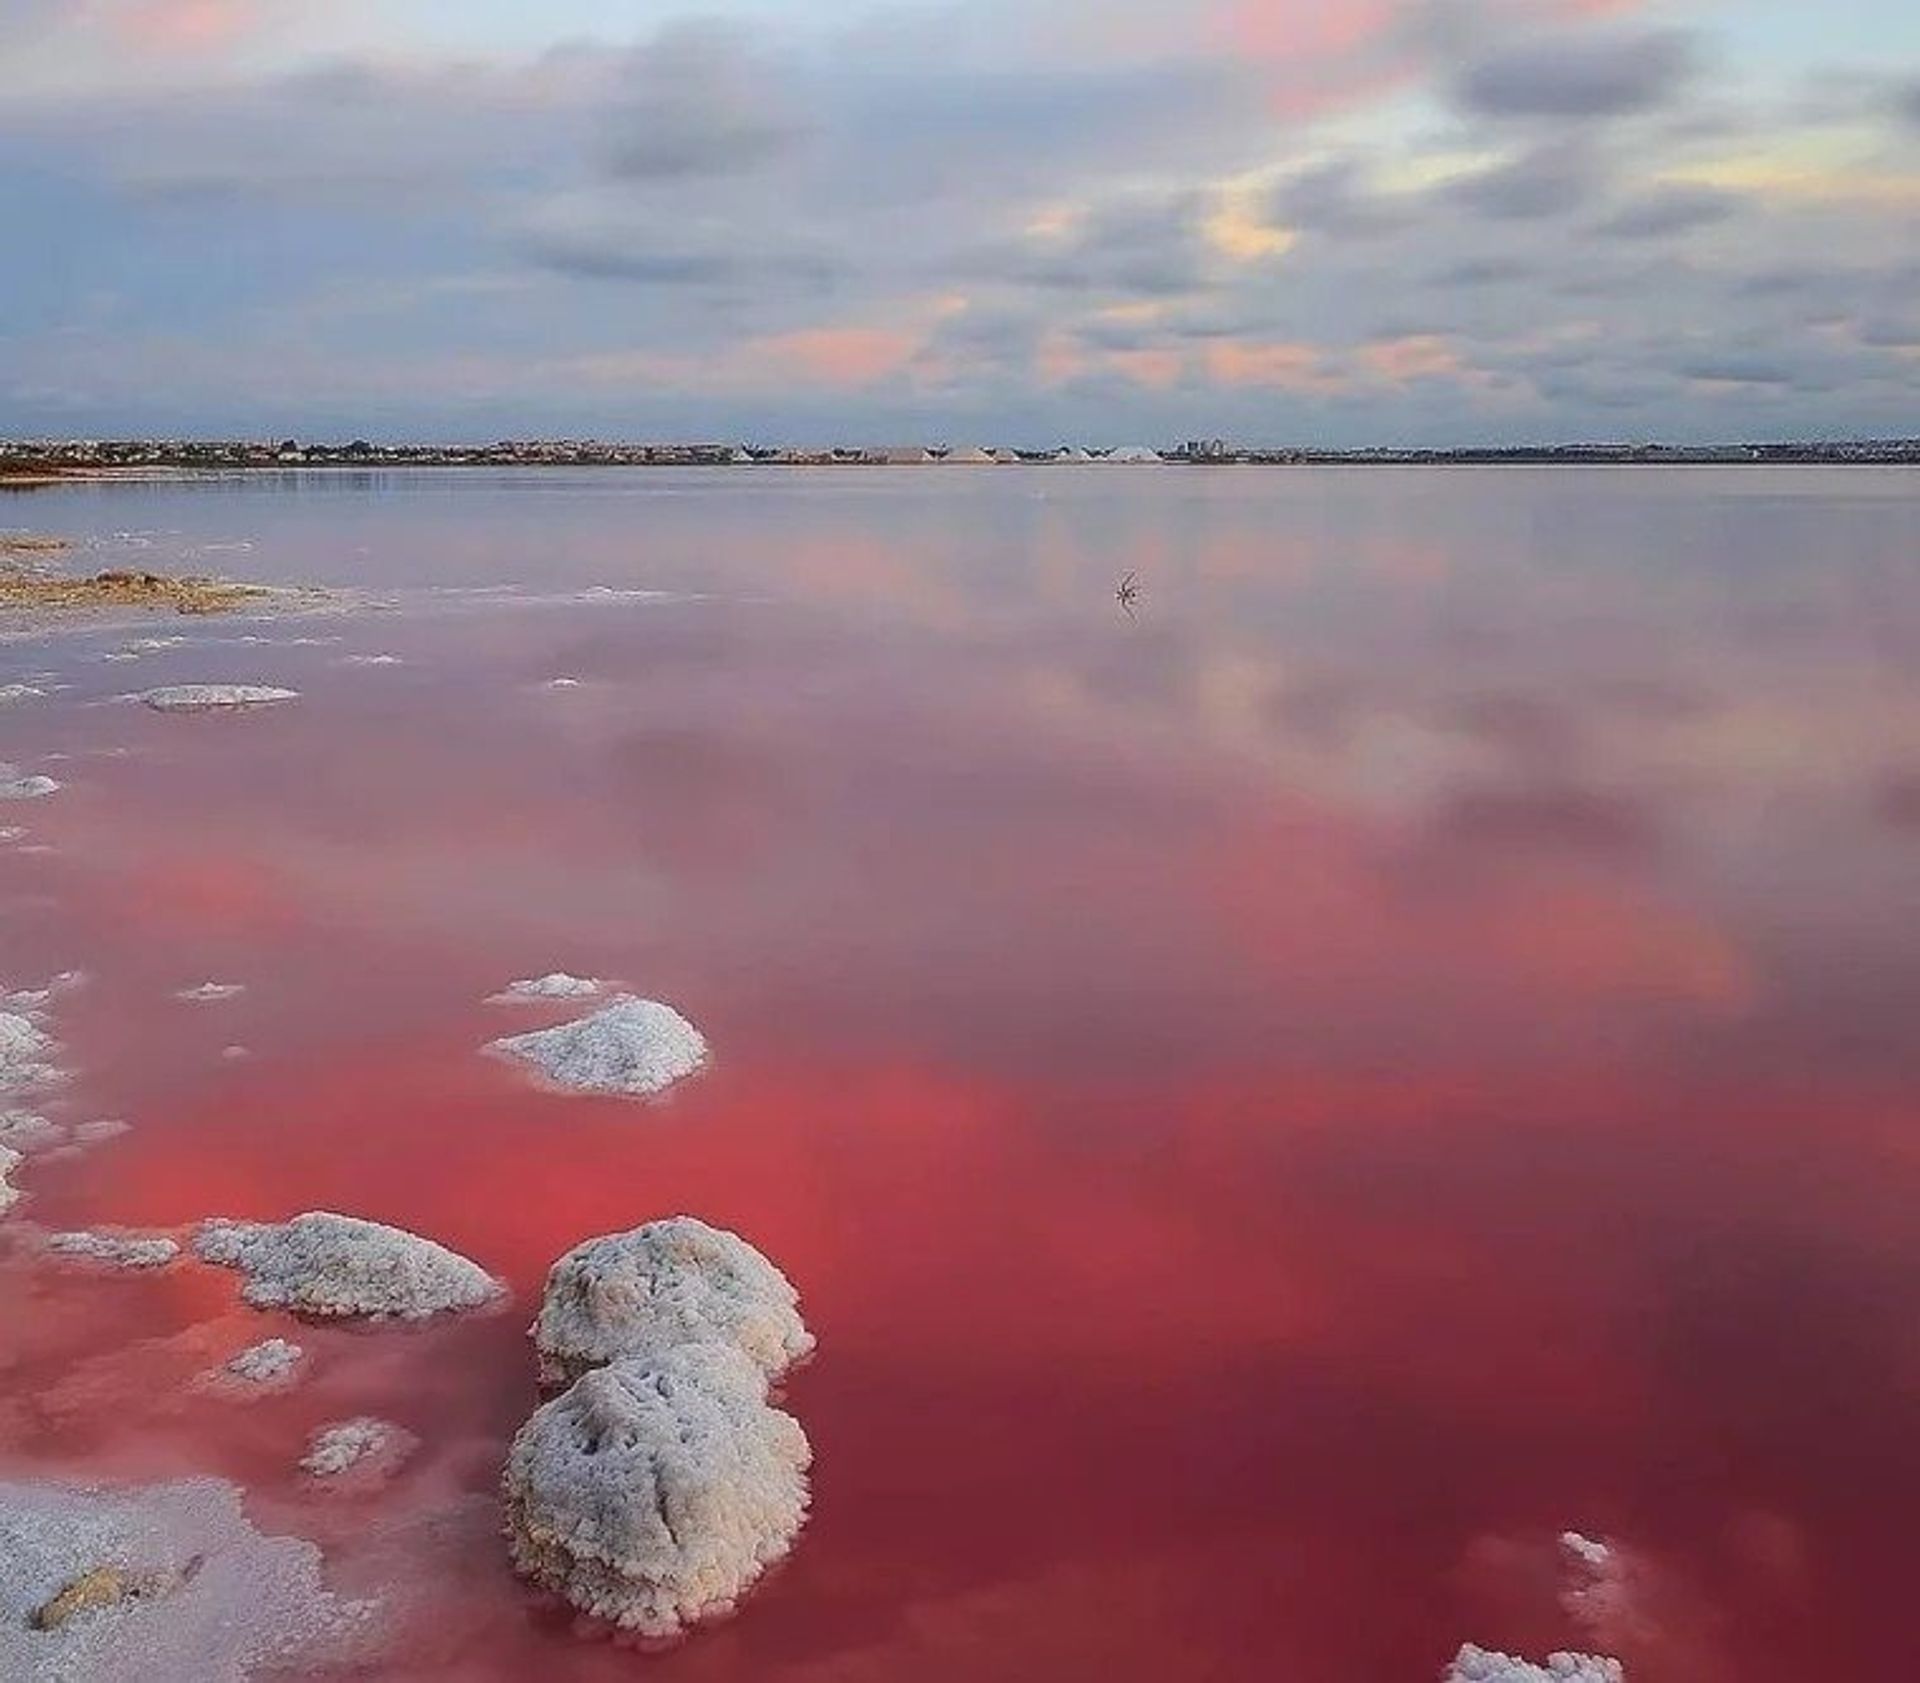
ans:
(15, 785)
(167, 1584)
(656, 1491)
(323, 1264)
(211, 993)
(668, 1283)
(266, 1363)
(363, 1446)
(1481, 1665)
(630, 1047)
(201, 698)
(558, 985)
(116, 1250)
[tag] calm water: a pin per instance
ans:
(1277, 1105)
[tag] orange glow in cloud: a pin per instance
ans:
(1156, 369)
(1287, 365)
(839, 356)
(188, 25)
(1420, 356)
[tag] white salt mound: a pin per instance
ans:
(323, 1264)
(363, 1443)
(116, 1250)
(558, 985)
(631, 1047)
(1481, 1665)
(200, 698)
(266, 1363)
(215, 1602)
(16, 786)
(211, 993)
(668, 1283)
(655, 1492)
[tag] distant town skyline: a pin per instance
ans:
(1409, 222)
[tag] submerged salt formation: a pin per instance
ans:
(1481, 1665)
(211, 993)
(558, 985)
(268, 1363)
(116, 1250)
(630, 1047)
(668, 1283)
(168, 1584)
(656, 1491)
(369, 1449)
(323, 1264)
(201, 698)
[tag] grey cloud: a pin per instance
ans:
(1146, 244)
(1891, 332)
(695, 102)
(1484, 271)
(1608, 75)
(1334, 198)
(1908, 102)
(1738, 371)
(1549, 180)
(1669, 211)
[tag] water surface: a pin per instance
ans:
(1278, 1103)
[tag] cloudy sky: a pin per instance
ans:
(998, 220)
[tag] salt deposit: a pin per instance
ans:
(211, 993)
(116, 1250)
(668, 1283)
(631, 1047)
(18, 692)
(15, 785)
(27, 1055)
(200, 698)
(364, 1447)
(558, 985)
(167, 1584)
(323, 1264)
(266, 1363)
(1481, 1665)
(655, 1492)
(9, 1193)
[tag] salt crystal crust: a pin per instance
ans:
(15, 785)
(656, 1491)
(361, 1443)
(630, 1047)
(266, 1363)
(558, 985)
(201, 698)
(1481, 1665)
(9, 1193)
(217, 1601)
(669, 1283)
(322, 1264)
(116, 1250)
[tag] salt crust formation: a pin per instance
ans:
(668, 1283)
(321, 1264)
(266, 1363)
(1481, 1665)
(630, 1047)
(116, 1250)
(9, 1193)
(363, 1444)
(28, 1054)
(558, 985)
(166, 1584)
(201, 698)
(211, 993)
(656, 1491)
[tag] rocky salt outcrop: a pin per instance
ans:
(656, 1491)
(204, 698)
(166, 1584)
(135, 1252)
(326, 1265)
(361, 1451)
(536, 989)
(669, 1283)
(1482, 1665)
(631, 1048)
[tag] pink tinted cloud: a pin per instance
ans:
(839, 356)
(186, 25)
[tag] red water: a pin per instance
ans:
(1276, 1106)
